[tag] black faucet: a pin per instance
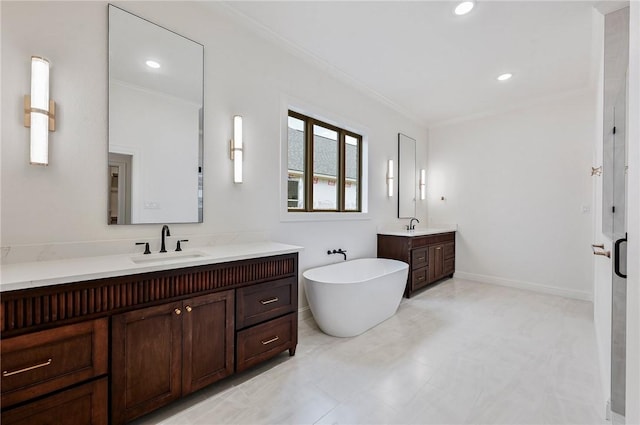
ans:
(162, 247)
(178, 246)
(146, 247)
(338, 251)
(412, 226)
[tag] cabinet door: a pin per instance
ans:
(436, 262)
(208, 333)
(146, 360)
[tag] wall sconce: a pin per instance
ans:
(390, 178)
(235, 149)
(39, 111)
(423, 183)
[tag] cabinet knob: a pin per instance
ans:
(188, 308)
(177, 311)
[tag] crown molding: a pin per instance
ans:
(301, 53)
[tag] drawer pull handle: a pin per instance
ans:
(188, 308)
(269, 301)
(26, 369)
(177, 311)
(421, 278)
(274, 339)
(438, 248)
(420, 258)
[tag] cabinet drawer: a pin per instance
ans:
(418, 258)
(419, 278)
(449, 250)
(83, 405)
(257, 303)
(265, 340)
(38, 363)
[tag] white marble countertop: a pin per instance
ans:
(419, 232)
(44, 273)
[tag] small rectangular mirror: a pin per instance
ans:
(155, 123)
(406, 176)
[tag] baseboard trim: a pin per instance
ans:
(304, 313)
(531, 286)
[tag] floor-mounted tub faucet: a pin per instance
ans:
(412, 226)
(338, 251)
(168, 233)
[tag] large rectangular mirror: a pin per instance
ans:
(155, 123)
(406, 176)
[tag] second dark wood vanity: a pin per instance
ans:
(430, 257)
(111, 350)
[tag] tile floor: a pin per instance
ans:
(460, 352)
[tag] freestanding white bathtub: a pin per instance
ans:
(351, 297)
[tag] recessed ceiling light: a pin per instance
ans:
(504, 77)
(152, 64)
(464, 7)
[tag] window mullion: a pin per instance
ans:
(341, 171)
(308, 204)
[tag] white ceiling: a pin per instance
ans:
(438, 67)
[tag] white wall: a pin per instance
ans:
(244, 74)
(516, 183)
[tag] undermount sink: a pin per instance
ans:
(166, 256)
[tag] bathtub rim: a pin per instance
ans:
(401, 265)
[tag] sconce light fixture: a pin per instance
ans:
(39, 111)
(235, 149)
(390, 178)
(423, 183)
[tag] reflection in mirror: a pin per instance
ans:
(155, 123)
(406, 176)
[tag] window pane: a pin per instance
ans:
(325, 168)
(295, 161)
(351, 166)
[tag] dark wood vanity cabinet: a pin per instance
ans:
(84, 404)
(165, 352)
(55, 361)
(171, 333)
(266, 320)
(430, 257)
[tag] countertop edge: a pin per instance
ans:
(417, 233)
(37, 274)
